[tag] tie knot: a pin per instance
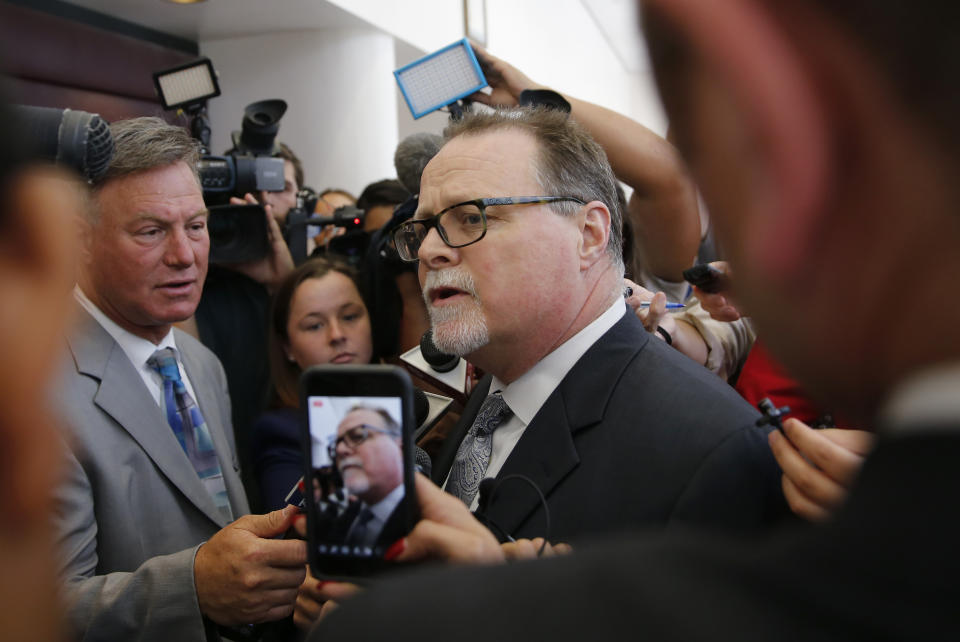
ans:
(164, 361)
(365, 516)
(492, 413)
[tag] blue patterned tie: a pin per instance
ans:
(473, 456)
(191, 430)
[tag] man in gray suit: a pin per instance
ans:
(145, 515)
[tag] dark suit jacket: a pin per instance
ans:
(277, 450)
(635, 435)
(884, 568)
(393, 528)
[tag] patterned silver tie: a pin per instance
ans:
(473, 456)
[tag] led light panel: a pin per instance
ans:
(190, 83)
(441, 78)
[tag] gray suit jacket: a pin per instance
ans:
(131, 511)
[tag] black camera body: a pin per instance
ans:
(224, 176)
(238, 233)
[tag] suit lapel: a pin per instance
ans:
(123, 396)
(547, 453)
(444, 460)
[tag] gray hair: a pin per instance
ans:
(141, 144)
(390, 424)
(146, 143)
(569, 163)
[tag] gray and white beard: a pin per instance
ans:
(355, 480)
(460, 329)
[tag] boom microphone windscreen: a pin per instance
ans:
(75, 139)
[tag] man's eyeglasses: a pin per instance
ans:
(354, 437)
(461, 224)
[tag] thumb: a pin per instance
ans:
(271, 524)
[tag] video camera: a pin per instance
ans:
(238, 233)
(250, 166)
(301, 218)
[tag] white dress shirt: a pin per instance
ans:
(137, 349)
(927, 399)
(528, 393)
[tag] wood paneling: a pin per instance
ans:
(52, 61)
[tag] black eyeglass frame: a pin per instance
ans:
(366, 428)
(481, 204)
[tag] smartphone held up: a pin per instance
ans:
(357, 437)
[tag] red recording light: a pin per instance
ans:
(356, 221)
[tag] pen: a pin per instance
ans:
(670, 306)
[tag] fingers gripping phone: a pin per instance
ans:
(360, 498)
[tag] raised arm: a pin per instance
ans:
(663, 209)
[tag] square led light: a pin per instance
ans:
(440, 78)
(188, 84)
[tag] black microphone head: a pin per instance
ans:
(423, 461)
(75, 139)
(421, 406)
(439, 361)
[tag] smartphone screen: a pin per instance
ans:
(358, 437)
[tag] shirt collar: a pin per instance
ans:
(922, 400)
(137, 349)
(382, 509)
(528, 393)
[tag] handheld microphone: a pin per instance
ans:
(439, 361)
(422, 460)
(75, 139)
(450, 377)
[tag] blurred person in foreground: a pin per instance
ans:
(819, 123)
(38, 218)
(151, 515)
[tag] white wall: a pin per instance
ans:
(559, 44)
(341, 118)
(427, 25)
(345, 112)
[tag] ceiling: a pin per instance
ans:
(222, 19)
(228, 18)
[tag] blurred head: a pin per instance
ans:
(541, 272)
(332, 198)
(378, 200)
(319, 317)
(39, 214)
(813, 129)
(368, 453)
(282, 202)
(146, 240)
